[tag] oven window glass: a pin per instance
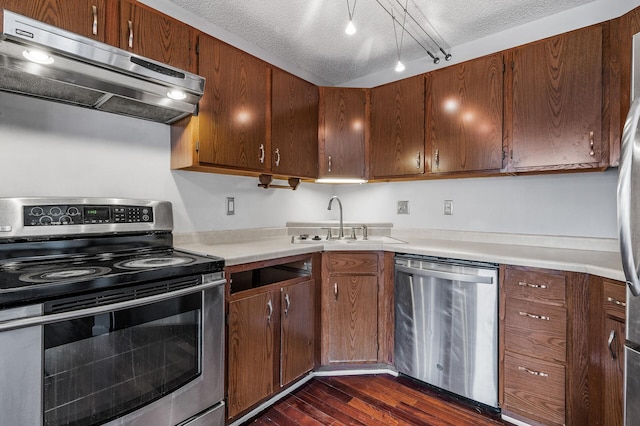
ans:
(100, 367)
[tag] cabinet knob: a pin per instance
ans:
(94, 25)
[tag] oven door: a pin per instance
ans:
(152, 360)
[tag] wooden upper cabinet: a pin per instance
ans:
(294, 126)
(397, 128)
(464, 116)
(156, 36)
(342, 133)
(232, 117)
(85, 17)
(556, 103)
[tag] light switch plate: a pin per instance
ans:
(403, 207)
(231, 206)
(448, 207)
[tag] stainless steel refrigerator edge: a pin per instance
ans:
(446, 330)
(629, 228)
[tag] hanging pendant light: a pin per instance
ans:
(351, 29)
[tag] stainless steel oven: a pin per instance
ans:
(106, 328)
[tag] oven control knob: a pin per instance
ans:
(45, 220)
(55, 211)
(73, 211)
(65, 220)
(37, 211)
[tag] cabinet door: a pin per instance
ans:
(353, 319)
(397, 128)
(464, 116)
(297, 336)
(155, 36)
(557, 102)
(233, 110)
(84, 17)
(294, 126)
(342, 132)
(253, 322)
(613, 371)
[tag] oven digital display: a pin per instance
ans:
(96, 214)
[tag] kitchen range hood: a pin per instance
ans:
(40, 60)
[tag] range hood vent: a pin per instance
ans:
(80, 71)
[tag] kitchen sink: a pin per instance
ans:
(371, 240)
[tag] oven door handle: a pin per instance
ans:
(65, 316)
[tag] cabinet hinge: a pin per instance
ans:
(504, 67)
(226, 319)
(197, 146)
(513, 65)
(197, 48)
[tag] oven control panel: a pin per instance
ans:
(60, 214)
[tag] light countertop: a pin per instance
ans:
(594, 256)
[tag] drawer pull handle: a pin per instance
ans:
(130, 23)
(612, 336)
(540, 317)
(335, 290)
(261, 153)
(523, 284)
(532, 372)
(616, 302)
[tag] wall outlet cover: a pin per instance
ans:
(448, 207)
(231, 206)
(403, 207)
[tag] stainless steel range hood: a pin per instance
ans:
(83, 72)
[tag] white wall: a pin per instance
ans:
(576, 204)
(57, 150)
(52, 149)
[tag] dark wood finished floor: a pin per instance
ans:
(370, 400)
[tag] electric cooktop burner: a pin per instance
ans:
(155, 262)
(49, 276)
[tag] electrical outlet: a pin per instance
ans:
(231, 206)
(403, 207)
(448, 207)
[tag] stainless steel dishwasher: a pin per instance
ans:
(446, 325)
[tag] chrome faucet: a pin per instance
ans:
(341, 234)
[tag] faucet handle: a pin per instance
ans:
(329, 236)
(365, 232)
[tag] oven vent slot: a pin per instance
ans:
(110, 297)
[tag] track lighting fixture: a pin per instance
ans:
(351, 29)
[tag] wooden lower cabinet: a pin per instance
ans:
(271, 328)
(251, 351)
(353, 319)
(357, 308)
(544, 346)
(608, 303)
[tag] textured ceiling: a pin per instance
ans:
(310, 33)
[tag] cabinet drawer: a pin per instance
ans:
(536, 329)
(535, 286)
(353, 262)
(534, 388)
(615, 299)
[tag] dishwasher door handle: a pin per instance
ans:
(453, 276)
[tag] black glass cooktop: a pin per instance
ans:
(35, 279)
